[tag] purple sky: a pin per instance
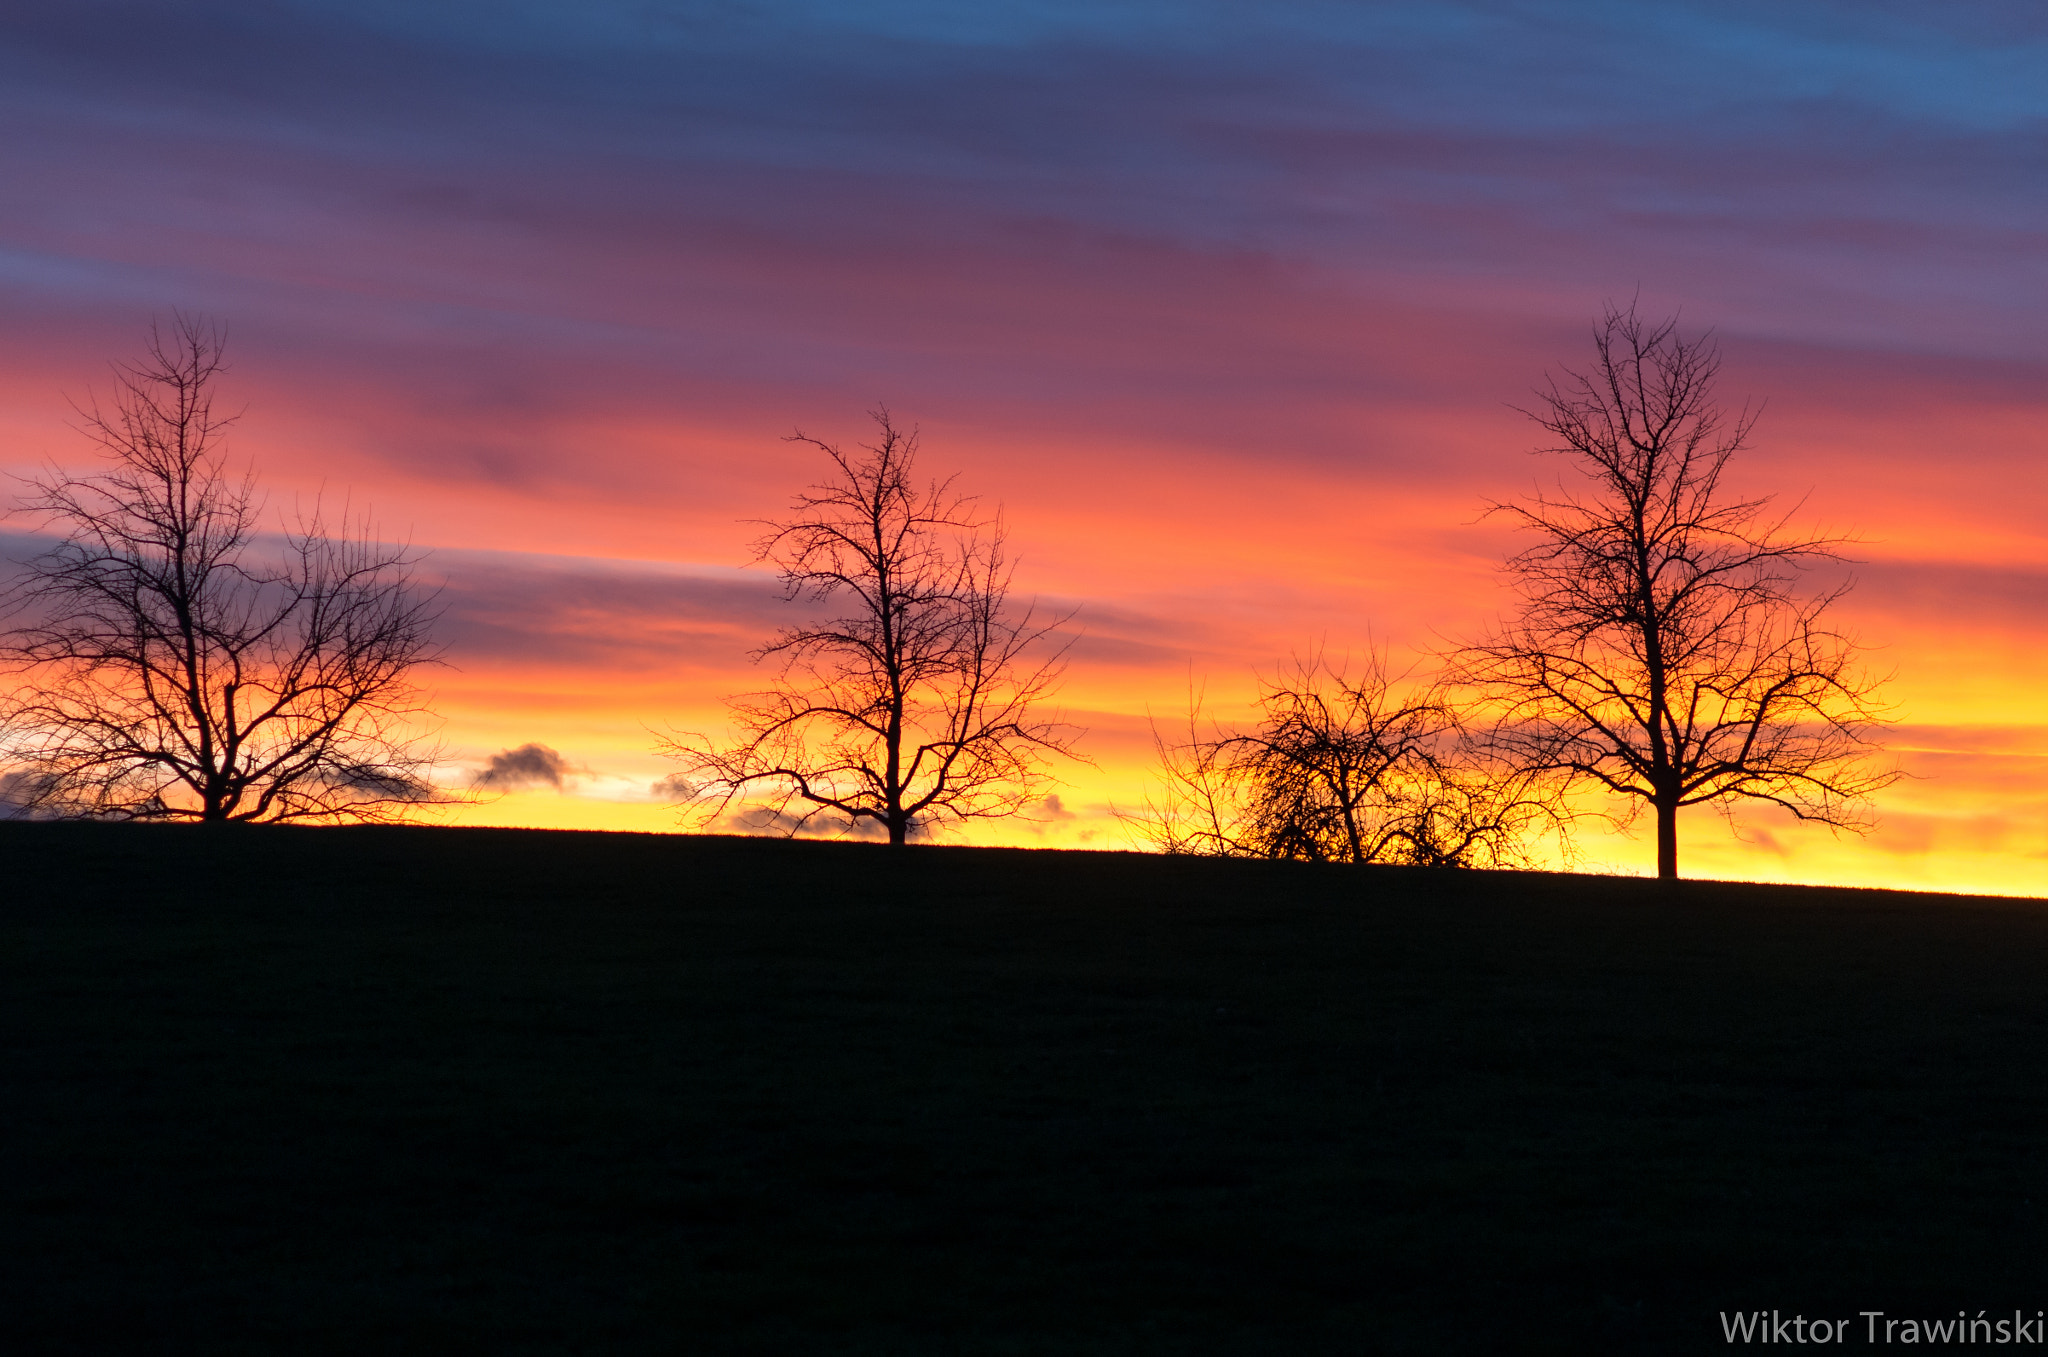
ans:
(1227, 303)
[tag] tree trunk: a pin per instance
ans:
(1667, 841)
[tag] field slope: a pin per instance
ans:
(502, 1091)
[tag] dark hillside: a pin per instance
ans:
(387, 1090)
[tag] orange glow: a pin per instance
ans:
(595, 543)
(1188, 564)
(1226, 305)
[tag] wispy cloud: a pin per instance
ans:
(1227, 302)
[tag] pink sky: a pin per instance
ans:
(1227, 313)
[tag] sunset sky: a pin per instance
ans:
(1227, 305)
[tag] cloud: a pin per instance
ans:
(758, 821)
(1989, 599)
(767, 822)
(530, 765)
(502, 607)
(538, 171)
(1223, 301)
(25, 796)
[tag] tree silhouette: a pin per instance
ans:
(918, 704)
(1344, 769)
(174, 664)
(1663, 649)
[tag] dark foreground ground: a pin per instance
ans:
(373, 1091)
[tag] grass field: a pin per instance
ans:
(388, 1090)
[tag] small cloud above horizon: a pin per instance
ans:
(530, 765)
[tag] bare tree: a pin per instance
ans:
(917, 706)
(1663, 649)
(174, 663)
(1337, 769)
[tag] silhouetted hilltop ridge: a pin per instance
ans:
(337, 1089)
